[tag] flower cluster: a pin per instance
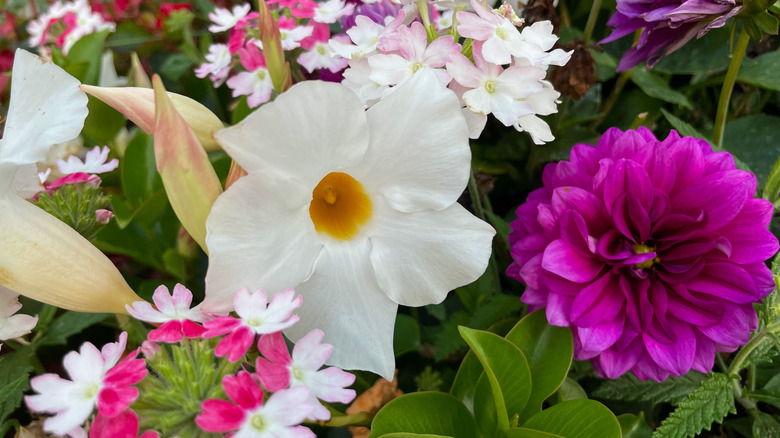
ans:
(64, 23)
(651, 251)
(667, 25)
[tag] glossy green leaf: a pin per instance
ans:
(407, 335)
(103, 122)
(633, 426)
(524, 432)
(435, 413)
(549, 350)
(411, 435)
(68, 324)
(89, 50)
(708, 54)
(654, 86)
(485, 409)
(506, 369)
(577, 419)
(140, 179)
(571, 390)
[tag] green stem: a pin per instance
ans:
(591, 23)
(476, 199)
(359, 419)
(728, 86)
(422, 5)
(738, 363)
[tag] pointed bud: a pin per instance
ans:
(137, 76)
(137, 104)
(46, 260)
(234, 174)
(189, 179)
(272, 49)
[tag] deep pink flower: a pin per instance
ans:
(174, 314)
(279, 416)
(651, 251)
(122, 425)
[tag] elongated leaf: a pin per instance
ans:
(682, 127)
(633, 426)
(577, 419)
(523, 432)
(654, 86)
(68, 324)
(140, 178)
(15, 371)
(761, 71)
(708, 404)
(506, 369)
(434, 413)
(671, 390)
(549, 350)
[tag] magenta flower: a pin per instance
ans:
(279, 370)
(173, 312)
(668, 25)
(651, 251)
(278, 417)
(122, 425)
(254, 319)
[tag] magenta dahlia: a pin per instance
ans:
(651, 251)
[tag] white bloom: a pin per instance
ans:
(13, 326)
(321, 56)
(331, 10)
(94, 162)
(224, 20)
(291, 38)
(364, 35)
(357, 211)
(544, 103)
(256, 84)
(358, 78)
(537, 39)
(217, 64)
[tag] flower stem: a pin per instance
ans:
(728, 86)
(422, 5)
(591, 23)
(359, 419)
(476, 199)
(738, 363)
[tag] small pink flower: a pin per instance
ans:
(103, 216)
(122, 425)
(254, 319)
(303, 369)
(279, 417)
(256, 81)
(173, 311)
(74, 178)
(97, 378)
(94, 162)
(501, 37)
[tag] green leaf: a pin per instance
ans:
(682, 127)
(523, 432)
(505, 368)
(140, 178)
(755, 140)
(761, 71)
(628, 387)
(128, 37)
(654, 86)
(633, 426)
(103, 122)
(68, 324)
(435, 413)
(577, 419)
(411, 435)
(708, 404)
(14, 366)
(570, 390)
(448, 341)
(549, 350)
(176, 66)
(498, 307)
(88, 50)
(707, 54)
(766, 23)
(407, 335)
(766, 426)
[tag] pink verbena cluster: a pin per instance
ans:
(65, 23)
(282, 392)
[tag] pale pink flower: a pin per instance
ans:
(123, 425)
(415, 54)
(256, 82)
(173, 312)
(291, 33)
(389, 40)
(224, 19)
(97, 378)
(326, 12)
(217, 65)
(318, 54)
(103, 216)
(501, 37)
(254, 318)
(13, 326)
(278, 417)
(365, 37)
(491, 89)
(94, 162)
(303, 369)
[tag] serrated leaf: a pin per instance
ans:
(755, 140)
(708, 404)
(67, 324)
(654, 86)
(671, 390)
(765, 351)
(13, 367)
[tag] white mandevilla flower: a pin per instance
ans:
(94, 162)
(358, 212)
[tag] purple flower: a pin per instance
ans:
(651, 251)
(668, 25)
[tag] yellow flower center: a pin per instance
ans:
(339, 206)
(490, 87)
(641, 248)
(416, 66)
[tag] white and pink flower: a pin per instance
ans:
(96, 161)
(173, 311)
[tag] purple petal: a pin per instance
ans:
(720, 195)
(678, 356)
(559, 258)
(599, 301)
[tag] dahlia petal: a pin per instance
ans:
(614, 362)
(333, 139)
(583, 202)
(720, 195)
(646, 368)
(401, 243)
(558, 309)
(220, 416)
(628, 177)
(727, 281)
(402, 141)
(574, 232)
(559, 258)
(705, 354)
(324, 290)
(678, 356)
(631, 218)
(599, 301)
(283, 257)
(733, 328)
(601, 336)
(750, 239)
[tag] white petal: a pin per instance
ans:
(538, 128)
(419, 156)
(419, 257)
(310, 130)
(47, 107)
(26, 182)
(260, 236)
(343, 299)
